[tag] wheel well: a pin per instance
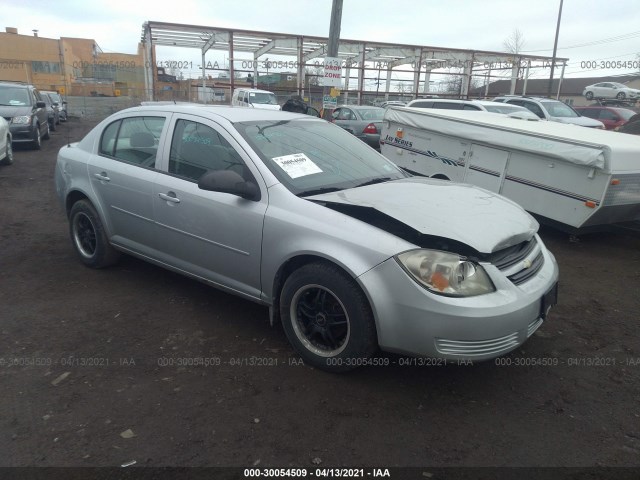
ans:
(440, 176)
(287, 269)
(72, 198)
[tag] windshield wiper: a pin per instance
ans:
(318, 191)
(373, 181)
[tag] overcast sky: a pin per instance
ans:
(116, 25)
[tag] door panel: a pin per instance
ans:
(122, 177)
(216, 236)
(486, 167)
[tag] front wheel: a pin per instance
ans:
(327, 318)
(589, 95)
(621, 96)
(47, 134)
(89, 238)
(36, 144)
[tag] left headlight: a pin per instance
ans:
(23, 120)
(446, 273)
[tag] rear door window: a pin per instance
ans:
(133, 140)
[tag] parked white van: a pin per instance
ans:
(252, 97)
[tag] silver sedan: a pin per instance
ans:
(349, 252)
(6, 148)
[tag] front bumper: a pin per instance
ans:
(21, 133)
(411, 320)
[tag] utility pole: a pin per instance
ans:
(334, 39)
(555, 48)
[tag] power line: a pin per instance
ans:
(626, 36)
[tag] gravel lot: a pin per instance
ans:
(92, 370)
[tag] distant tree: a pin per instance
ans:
(514, 43)
(314, 74)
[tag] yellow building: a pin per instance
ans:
(71, 66)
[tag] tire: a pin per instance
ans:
(89, 238)
(589, 95)
(8, 159)
(47, 135)
(621, 96)
(37, 139)
(327, 318)
(52, 126)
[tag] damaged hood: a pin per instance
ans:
(483, 220)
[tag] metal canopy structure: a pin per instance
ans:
(361, 56)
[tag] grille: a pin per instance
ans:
(476, 348)
(520, 262)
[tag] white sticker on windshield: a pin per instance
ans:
(297, 165)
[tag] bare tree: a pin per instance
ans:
(314, 74)
(514, 43)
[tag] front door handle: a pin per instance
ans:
(169, 197)
(103, 177)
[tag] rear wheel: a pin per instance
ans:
(47, 135)
(8, 157)
(52, 126)
(327, 318)
(589, 95)
(89, 238)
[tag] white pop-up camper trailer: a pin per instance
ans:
(578, 179)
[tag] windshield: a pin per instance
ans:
(559, 109)
(14, 96)
(625, 114)
(504, 108)
(263, 98)
(311, 156)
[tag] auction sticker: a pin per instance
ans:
(297, 165)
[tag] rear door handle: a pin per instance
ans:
(102, 176)
(169, 197)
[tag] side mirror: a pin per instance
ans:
(228, 181)
(64, 102)
(41, 105)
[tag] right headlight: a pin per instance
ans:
(446, 273)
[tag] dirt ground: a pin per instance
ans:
(96, 367)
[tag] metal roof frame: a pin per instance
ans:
(423, 59)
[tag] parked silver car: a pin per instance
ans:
(6, 149)
(293, 212)
(610, 90)
(551, 110)
(363, 122)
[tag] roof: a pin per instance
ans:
(231, 114)
(573, 143)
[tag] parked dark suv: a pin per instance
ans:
(22, 106)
